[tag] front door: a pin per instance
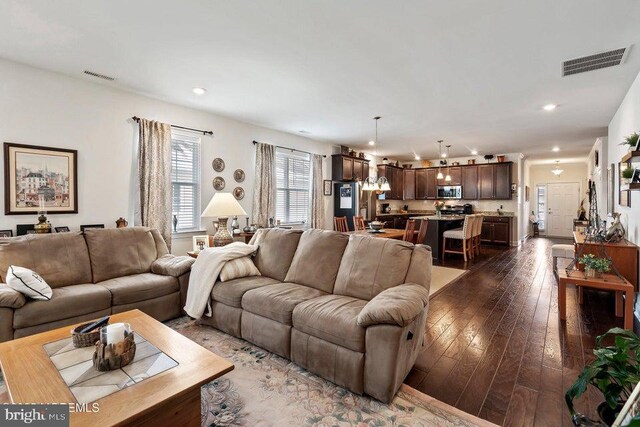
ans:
(563, 200)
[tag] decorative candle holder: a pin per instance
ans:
(110, 354)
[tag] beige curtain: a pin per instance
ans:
(154, 176)
(264, 195)
(317, 193)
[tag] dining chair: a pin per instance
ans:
(358, 223)
(422, 231)
(464, 234)
(409, 231)
(340, 224)
(477, 232)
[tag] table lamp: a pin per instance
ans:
(222, 206)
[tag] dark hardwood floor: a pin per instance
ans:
(494, 344)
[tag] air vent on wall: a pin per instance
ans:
(594, 62)
(99, 76)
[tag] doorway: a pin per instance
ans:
(563, 200)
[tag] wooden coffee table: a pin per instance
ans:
(171, 397)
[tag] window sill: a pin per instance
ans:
(187, 233)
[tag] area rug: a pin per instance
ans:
(267, 390)
(441, 277)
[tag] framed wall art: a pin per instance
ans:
(39, 178)
(326, 186)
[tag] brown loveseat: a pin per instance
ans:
(350, 309)
(100, 272)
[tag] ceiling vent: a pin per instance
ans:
(99, 76)
(594, 62)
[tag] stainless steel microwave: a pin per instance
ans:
(449, 192)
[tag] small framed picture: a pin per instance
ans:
(84, 227)
(327, 187)
(22, 229)
(6, 233)
(62, 229)
(636, 176)
(200, 243)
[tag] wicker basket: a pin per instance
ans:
(84, 340)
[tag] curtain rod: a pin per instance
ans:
(204, 132)
(292, 149)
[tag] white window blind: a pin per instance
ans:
(293, 184)
(185, 180)
(541, 209)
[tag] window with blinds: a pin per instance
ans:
(293, 184)
(185, 180)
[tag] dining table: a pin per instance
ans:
(385, 233)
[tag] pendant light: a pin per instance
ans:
(371, 183)
(448, 177)
(439, 176)
(557, 171)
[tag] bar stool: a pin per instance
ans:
(477, 232)
(464, 234)
(561, 251)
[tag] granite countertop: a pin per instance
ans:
(441, 218)
(417, 214)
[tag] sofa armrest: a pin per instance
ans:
(172, 265)
(399, 306)
(10, 298)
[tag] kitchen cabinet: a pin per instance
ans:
(454, 172)
(496, 230)
(432, 184)
(347, 168)
(469, 178)
(395, 176)
(421, 184)
(494, 181)
(409, 181)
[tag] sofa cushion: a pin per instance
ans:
(171, 265)
(276, 302)
(66, 302)
(140, 287)
(332, 318)
(232, 291)
(10, 298)
(399, 306)
(237, 268)
(317, 259)
(28, 283)
(118, 252)
(371, 265)
(276, 248)
(61, 259)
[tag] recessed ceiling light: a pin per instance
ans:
(372, 143)
(474, 152)
(549, 107)
(199, 90)
(555, 149)
(417, 157)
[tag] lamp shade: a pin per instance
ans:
(223, 205)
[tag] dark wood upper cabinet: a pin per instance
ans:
(432, 184)
(421, 184)
(409, 179)
(485, 182)
(502, 181)
(469, 176)
(347, 168)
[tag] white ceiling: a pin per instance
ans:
(474, 73)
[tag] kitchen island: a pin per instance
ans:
(437, 226)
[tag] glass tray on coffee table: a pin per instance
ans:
(75, 366)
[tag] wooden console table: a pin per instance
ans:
(624, 255)
(608, 282)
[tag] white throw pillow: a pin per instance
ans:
(239, 267)
(28, 283)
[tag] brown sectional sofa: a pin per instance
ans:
(100, 272)
(351, 309)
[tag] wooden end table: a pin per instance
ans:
(171, 397)
(607, 282)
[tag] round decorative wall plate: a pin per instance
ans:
(218, 164)
(238, 193)
(238, 175)
(218, 183)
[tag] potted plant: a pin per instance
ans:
(631, 140)
(627, 175)
(594, 266)
(614, 372)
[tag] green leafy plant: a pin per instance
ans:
(628, 173)
(614, 372)
(631, 140)
(601, 265)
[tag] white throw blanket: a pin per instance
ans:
(205, 272)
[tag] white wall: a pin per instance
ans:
(598, 174)
(624, 122)
(42, 108)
